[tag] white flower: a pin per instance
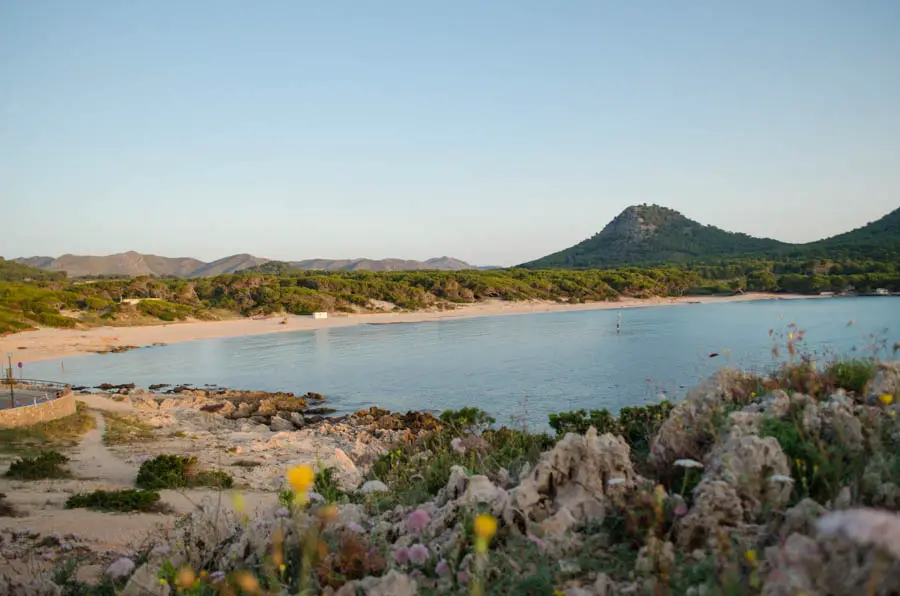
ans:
(864, 527)
(781, 478)
(615, 481)
(688, 463)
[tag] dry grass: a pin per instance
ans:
(63, 433)
(122, 429)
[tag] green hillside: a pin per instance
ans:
(654, 235)
(649, 234)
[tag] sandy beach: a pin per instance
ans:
(49, 343)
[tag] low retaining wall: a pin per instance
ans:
(29, 415)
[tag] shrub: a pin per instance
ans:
(119, 500)
(635, 424)
(851, 375)
(175, 471)
(48, 464)
(165, 471)
(466, 418)
(326, 485)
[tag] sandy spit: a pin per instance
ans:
(48, 343)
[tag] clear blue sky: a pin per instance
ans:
(493, 131)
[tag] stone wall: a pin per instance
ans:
(28, 415)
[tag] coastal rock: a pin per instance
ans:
(748, 463)
(688, 430)
(392, 584)
(279, 424)
(374, 486)
(297, 420)
(244, 410)
(575, 475)
(833, 565)
(800, 518)
(28, 587)
(716, 504)
(885, 382)
(145, 582)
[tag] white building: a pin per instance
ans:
(320, 315)
(881, 292)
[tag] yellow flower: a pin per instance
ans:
(753, 394)
(301, 478)
(237, 499)
(887, 399)
(247, 582)
(750, 555)
(186, 577)
(485, 528)
(790, 336)
(163, 582)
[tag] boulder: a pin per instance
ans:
(392, 584)
(716, 504)
(279, 424)
(244, 410)
(374, 486)
(297, 420)
(800, 518)
(748, 463)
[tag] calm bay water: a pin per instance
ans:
(510, 365)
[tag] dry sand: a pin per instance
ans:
(45, 344)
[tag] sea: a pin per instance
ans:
(519, 368)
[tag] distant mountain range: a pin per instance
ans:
(132, 264)
(651, 234)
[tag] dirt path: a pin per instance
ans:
(93, 460)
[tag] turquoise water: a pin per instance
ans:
(525, 365)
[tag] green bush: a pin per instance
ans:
(119, 500)
(851, 375)
(175, 471)
(326, 485)
(48, 464)
(466, 418)
(635, 424)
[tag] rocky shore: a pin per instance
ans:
(757, 486)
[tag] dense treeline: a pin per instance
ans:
(277, 288)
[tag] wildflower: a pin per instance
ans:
(239, 503)
(301, 478)
(315, 497)
(186, 577)
(457, 445)
(864, 527)
(401, 555)
(781, 478)
(442, 569)
(537, 541)
(887, 399)
(217, 576)
(120, 568)
(750, 555)
(247, 582)
(485, 528)
(282, 512)
(163, 581)
(418, 520)
(615, 481)
(355, 528)
(687, 463)
(418, 554)
(681, 510)
(462, 577)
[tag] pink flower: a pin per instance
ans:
(537, 541)
(418, 554)
(355, 528)
(401, 555)
(681, 510)
(457, 445)
(442, 569)
(462, 577)
(418, 520)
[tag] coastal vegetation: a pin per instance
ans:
(278, 288)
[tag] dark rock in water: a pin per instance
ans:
(311, 395)
(314, 419)
(158, 386)
(79, 388)
(319, 411)
(109, 387)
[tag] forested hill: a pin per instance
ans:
(651, 234)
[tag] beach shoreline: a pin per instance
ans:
(53, 343)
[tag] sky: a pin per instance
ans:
(495, 132)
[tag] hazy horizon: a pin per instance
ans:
(495, 134)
